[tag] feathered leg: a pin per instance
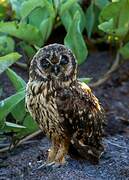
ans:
(53, 150)
(63, 150)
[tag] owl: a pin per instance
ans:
(66, 110)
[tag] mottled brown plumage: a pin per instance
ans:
(65, 109)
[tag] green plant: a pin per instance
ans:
(114, 21)
(34, 20)
(14, 105)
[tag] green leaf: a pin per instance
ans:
(101, 3)
(2, 12)
(31, 126)
(110, 11)
(68, 15)
(29, 50)
(125, 51)
(107, 26)
(19, 84)
(16, 6)
(65, 6)
(19, 113)
(22, 31)
(28, 6)
(6, 45)
(46, 28)
(12, 127)
(119, 12)
(37, 16)
(74, 39)
(85, 80)
(16, 80)
(8, 60)
(9, 103)
(90, 19)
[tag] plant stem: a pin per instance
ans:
(106, 76)
(21, 141)
(21, 65)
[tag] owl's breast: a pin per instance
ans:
(43, 108)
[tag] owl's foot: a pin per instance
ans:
(50, 165)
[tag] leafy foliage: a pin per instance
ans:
(15, 106)
(114, 20)
(8, 60)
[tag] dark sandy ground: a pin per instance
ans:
(114, 164)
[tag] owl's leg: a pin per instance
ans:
(63, 150)
(53, 150)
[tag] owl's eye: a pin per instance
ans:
(64, 60)
(45, 64)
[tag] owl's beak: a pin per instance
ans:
(55, 69)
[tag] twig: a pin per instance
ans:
(117, 145)
(21, 65)
(108, 73)
(26, 142)
(21, 141)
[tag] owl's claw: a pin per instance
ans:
(49, 165)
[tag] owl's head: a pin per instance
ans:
(53, 62)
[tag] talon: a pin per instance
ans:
(41, 166)
(50, 164)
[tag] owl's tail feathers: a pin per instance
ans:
(79, 150)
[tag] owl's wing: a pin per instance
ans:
(82, 117)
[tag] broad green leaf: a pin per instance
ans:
(101, 3)
(90, 19)
(110, 11)
(125, 51)
(19, 84)
(12, 127)
(66, 19)
(74, 39)
(46, 28)
(16, 6)
(22, 31)
(2, 12)
(85, 80)
(37, 16)
(31, 126)
(57, 4)
(68, 15)
(29, 50)
(28, 6)
(16, 80)
(19, 113)
(119, 12)
(107, 26)
(6, 45)
(65, 6)
(9, 103)
(8, 60)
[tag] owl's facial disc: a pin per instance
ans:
(55, 66)
(54, 62)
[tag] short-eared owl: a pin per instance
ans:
(65, 109)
